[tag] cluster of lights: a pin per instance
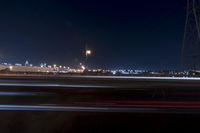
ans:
(64, 69)
(49, 68)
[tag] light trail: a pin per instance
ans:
(101, 77)
(146, 104)
(73, 109)
(20, 94)
(53, 85)
(94, 109)
(135, 77)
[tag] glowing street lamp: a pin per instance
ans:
(11, 68)
(87, 53)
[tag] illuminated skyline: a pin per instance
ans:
(129, 34)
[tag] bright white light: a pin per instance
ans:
(83, 67)
(11, 68)
(88, 52)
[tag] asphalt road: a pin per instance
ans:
(100, 94)
(98, 104)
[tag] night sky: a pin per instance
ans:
(136, 34)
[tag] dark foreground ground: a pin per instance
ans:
(76, 122)
(98, 104)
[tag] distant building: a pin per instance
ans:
(5, 64)
(43, 65)
(17, 64)
(26, 63)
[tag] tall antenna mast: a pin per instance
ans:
(191, 41)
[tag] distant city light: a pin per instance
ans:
(83, 67)
(11, 68)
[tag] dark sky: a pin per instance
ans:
(137, 34)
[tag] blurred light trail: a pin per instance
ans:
(19, 94)
(146, 104)
(132, 77)
(92, 109)
(54, 85)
